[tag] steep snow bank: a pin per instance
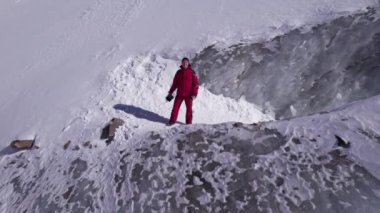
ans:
(304, 71)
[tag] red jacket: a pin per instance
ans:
(186, 81)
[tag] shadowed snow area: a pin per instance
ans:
(302, 72)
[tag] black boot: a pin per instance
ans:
(171, 123)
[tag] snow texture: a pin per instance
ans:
(69, 67)
(304, 71)
(55, 56)
(282, 166)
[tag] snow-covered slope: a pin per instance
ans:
(56, 55)
(283, 166)
(304, 71)
(68, 67)
(135, 92)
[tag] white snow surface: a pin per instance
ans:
(362, 126)
(134, 169)
(68, 67)
(55, 57)
(136, 93)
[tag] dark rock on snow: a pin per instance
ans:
(109, 130)
(22, 144)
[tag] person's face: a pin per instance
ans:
(185, 64)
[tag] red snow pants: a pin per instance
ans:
(177, 104)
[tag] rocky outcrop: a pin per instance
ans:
(22, 144)
(109, 130)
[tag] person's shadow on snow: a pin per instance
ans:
(141, 113)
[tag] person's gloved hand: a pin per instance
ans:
(193, 97)
(169, 97)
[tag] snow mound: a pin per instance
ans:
(143, 82)
(135, 91)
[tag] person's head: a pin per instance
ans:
(185, 63)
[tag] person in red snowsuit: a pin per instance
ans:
(186, 83)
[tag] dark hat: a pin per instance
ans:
(185, 59)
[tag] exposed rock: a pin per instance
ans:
(66, 195)
(279, 181)
(237, 124)
(109, 130)
(88, 145)
(105, 132)
(22, 144)
(341, 142)
(115, 123)
(296, 141)
(66, 145)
